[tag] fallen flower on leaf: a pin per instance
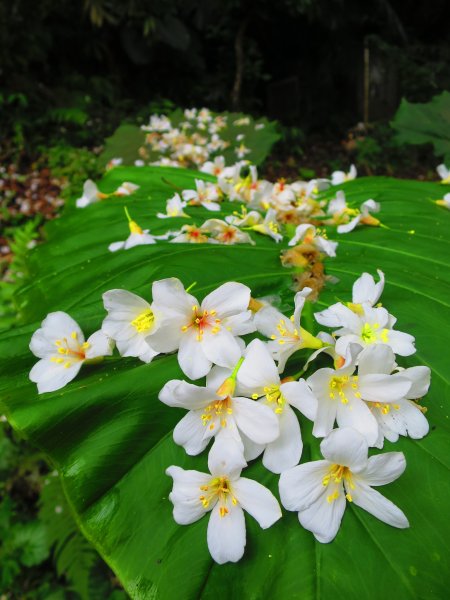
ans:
(318, 490)
(60, 345)
(226, 495)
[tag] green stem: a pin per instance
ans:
(127, 214)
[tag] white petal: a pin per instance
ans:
(378, 506)
(226, 535)
(240, 324)
(267, 319)
(258, 501)
(257, 421)
(185, 496)
(190, 433)
(226, 456)
(420, 381)
(383, 468)
(229, 299)
(221, 348)
(251, 449)
(186, 395)
(383, 388)
(191, 357)
(443, 172)
(302, 485)
(356, 414)
(408, 419)
(147, 354)
(401, 343)
(346, 447)
(99, 345)
(377, 358)
(258, 369)
(168, 335)
(41, 345)
(217, 376)
(59, 325)
(366, 290)
(124, 301)
(325, 417)
(299, 395)
(51, 376)
(284, 452)
(350, 225)
(324, 518)
(170, 294)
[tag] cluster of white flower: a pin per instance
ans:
(275, 210)
(193, 140)
(246, 409)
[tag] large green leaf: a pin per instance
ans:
(111, 439)
(425, 123)
(127, 140)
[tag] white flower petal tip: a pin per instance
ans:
(60, 345)
(319, 490)
(226, 496)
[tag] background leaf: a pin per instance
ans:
(425, 123)
(128, 139)
(111, 439)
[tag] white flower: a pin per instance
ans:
(60, 345)
(204, 195)
(139, 163)
(174, 208)
(445, 201)
(191, 234)
(131, 321)
(158, 123)
(363, 216)
(307, 234)
(242, 121)
(91, 194)
(244, 219)
(114, 162)
(137, 237)
(204, 333)
(225, 233)
(365, 291)
(225, 494)
(214, 168)
(242, 150)
(318, 490)
(269, 226)
(369, 326)
(404, 417)
(258, 378)
(126, 189)
(214, 412)
(259, 126)
(338, 177)
(190, 113)
(343, 396)
(443, 173)
(286, 334)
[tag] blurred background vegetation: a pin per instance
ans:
(331, 72)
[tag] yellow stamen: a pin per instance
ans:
(144, 322)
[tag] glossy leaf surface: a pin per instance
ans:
(111, 439)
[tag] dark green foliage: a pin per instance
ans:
(426, 123)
